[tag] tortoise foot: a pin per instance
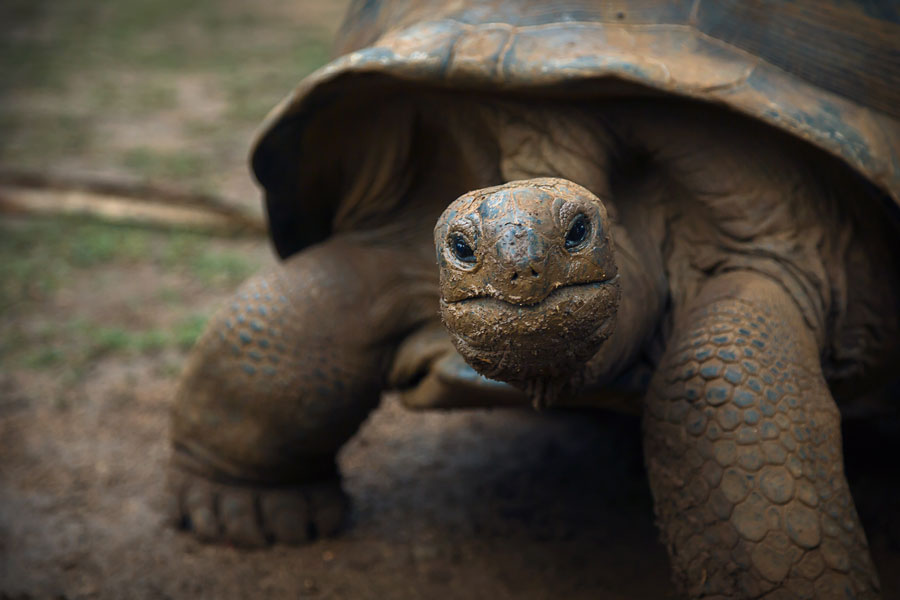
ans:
(254, 516)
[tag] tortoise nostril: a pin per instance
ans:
(516, 273)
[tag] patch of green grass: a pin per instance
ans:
(96, 244)
(107, 340)
(194, 171)
(156, 97)
(211, 266)
(97, 340)
(180, 246)
(39, 258)
(188, 330)
(169, 369)
(46, 40)
(54, 41)
(170, 295)
(164, 164)
(221, 267)
(33, 137)
(151, 341)
(27, 56)
(38, 255)
(44, 358)
(80, 77)
(76, 343)
(272, 74)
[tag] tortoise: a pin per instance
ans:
(682, 209)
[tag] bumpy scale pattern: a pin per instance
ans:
(270, 340)
(272, 387)
(253, 328)
(260, 329)
(744, 455)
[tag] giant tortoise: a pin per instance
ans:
(685, 209)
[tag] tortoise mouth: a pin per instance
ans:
(559, 294)
(544, 340)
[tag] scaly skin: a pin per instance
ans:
(743, 449)
(277, 384)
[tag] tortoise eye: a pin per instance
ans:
(461, 248)
(577, 233)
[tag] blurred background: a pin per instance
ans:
(158, 92)
(109, 106)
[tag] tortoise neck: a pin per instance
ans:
(551, 140)
(638, 228)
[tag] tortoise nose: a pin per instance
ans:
(531, 270)
(528, 271)
(523, 253)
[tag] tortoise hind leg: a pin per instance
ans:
(743, 449)
(282, 377)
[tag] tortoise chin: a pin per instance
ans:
(545, 342)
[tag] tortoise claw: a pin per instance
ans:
(255, 516)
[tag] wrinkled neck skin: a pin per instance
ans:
(638, 232)
(536, 140)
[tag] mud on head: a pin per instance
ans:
(528, 280)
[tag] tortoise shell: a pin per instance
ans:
(827, 71)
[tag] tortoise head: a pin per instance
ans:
(528, 280)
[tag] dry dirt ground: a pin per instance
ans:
(95, 322)
(466, 505)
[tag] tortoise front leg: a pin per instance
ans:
(284, 375)
(743, 449)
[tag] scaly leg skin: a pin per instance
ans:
(743, 449)
(283, 376)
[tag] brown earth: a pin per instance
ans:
(464, 505)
